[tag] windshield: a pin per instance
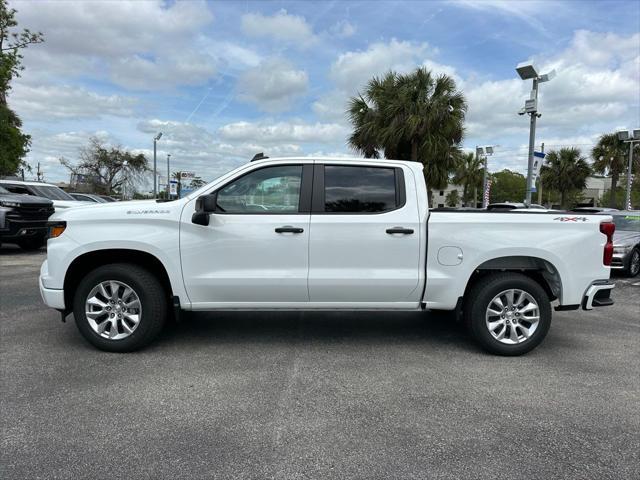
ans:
(629, 223)
(52, 192)
(4, 191)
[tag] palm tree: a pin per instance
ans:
(565, 171)
(609, 159)
(413, 116)
(469, 173)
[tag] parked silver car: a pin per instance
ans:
(626, 242)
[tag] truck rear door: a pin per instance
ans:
(364, 236)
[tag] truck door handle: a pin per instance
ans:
(404, 231)
(289, 229)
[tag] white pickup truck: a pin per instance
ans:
(331, 233)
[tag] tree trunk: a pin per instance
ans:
(464, 195)
(563, 199)
(612, 192)
(414, 151)
(475, 197)
(430, 198)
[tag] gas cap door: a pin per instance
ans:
(450, 256)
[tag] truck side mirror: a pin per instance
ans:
(205, 205)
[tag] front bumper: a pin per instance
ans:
(52, 297)
(598, 295)
(17, 230)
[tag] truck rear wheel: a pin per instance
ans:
(120, 307)
(508, 313)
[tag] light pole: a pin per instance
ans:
(168, 180)
(124, 180)
(484, 152)
(527, 71)
(155, 173)
(631, 140)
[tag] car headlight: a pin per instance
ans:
(7, 203)
(622, 249)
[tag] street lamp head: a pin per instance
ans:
(479, 151)
(547, 76)
(623, 135)
(636, 134)
(158, 137)
(527, 70)
(489, 150)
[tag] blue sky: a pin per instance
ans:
(224, 80)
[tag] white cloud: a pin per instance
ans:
(284, 132)
(596, 86)
(139, 73)
(281, 27)
(45, 102)
(148, 44)
(343, 29)
(273, 85)
(352, 70)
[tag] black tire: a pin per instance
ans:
(479, 298)
(153, 299)
(32, 243)
(633, 270)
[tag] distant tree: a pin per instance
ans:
(196, 183)
(609, 158)
(14, 144)
(415, 116)
(469, 173)
(452, 199)
(110, 167)
(507, 186)
(565, 171)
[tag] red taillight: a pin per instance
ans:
(608, 228)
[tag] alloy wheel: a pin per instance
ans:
(113, 309)
(512, 316)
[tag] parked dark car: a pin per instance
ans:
(23, 219)
(594, 210)
(626, 242)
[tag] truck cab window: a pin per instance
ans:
(268, 190)
(354, 189)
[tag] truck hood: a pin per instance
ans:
(26, 200)
(62, 204)
(133, 210)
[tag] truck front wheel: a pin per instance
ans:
(120, 307)
(508, 313)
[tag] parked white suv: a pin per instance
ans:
(312, 234)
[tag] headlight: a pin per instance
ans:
(7, 203)
(56, 228)
(622, 248)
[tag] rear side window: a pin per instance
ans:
(353, 189)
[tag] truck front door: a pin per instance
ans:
(254, 252)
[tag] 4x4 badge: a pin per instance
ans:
(572, 219)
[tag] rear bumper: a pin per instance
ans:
(598, 295)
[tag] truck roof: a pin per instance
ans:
(22, 182)
(337, 159)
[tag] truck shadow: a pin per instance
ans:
(313, 327)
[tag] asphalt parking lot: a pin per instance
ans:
(316, 395)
